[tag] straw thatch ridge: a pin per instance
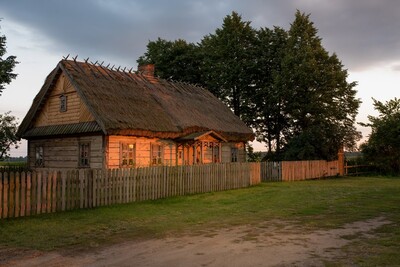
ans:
(125, 103)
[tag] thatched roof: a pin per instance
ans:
(126, 103)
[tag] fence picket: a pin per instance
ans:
(81, 188)
(48, 192)
(1, 194)
(11, 195)
(5, 195)
(23, 194)
(17, 194)
(39, 193)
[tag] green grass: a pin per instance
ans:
(319, 204)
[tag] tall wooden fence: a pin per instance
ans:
(298, 170)
(304, 170)
(30, 193)
(271, 171)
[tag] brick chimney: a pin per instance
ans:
(146, 70)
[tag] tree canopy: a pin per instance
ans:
(175, 60)
(383, 146)
(7, 65)
(319, 102)
(283, 84)
(8, 130)
(228, 64)
(8, 125)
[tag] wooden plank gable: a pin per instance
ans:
(51, 113)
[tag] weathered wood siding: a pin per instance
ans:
(64, 152)
(76, 110)
(143, 150)
(227, 152)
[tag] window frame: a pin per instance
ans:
(39, 162)
(84, 160)
(159, 159)
(234, 154)
(123, 151)
(63, 103)
(216, 153)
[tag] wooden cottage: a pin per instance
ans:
(87, 115)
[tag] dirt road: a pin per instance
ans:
(268, 244)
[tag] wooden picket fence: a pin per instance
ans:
(31, 193)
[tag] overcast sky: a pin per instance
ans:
(363, 33)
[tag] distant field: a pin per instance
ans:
(17, 163)
(307, 205)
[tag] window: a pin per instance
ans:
(39, 162)
(128, 155)
(198, 154)
(63, 103)
(84, 155)
(234, 154)
(216, 153)
(156, 154)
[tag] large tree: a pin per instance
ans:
(8, 125)
(269, 121)
(383, 146)
(282, 83)
(320, 104)
(229, 63)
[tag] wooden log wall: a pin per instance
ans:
(31, 193)
(64, 152)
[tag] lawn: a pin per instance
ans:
(311, 205)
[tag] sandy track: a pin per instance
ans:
(268, 244)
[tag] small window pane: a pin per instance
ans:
(156, 154)
(128, 155)
(216, 153)
(234, 154)
(39, 156)
(84, 155)
(63, 103)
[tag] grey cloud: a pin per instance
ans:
(362, 32)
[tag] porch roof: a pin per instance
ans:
(197, 136)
